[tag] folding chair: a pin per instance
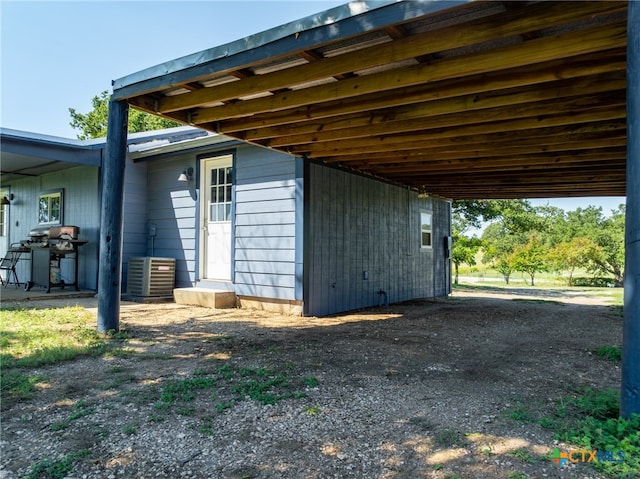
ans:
(9, 262)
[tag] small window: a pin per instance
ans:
(425, 230)
(50, 208)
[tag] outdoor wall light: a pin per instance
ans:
(186, 175)
(6, 200)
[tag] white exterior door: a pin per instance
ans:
(215, 218)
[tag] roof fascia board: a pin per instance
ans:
(180, 148)
(27, 136)
(353, 18)
(77, 155)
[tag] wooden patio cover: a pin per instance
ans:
(457, 99)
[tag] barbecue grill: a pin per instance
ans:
(49, 246)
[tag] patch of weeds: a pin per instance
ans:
(206, 427)
(438, 467)
(226, 371)
(524, 456)
(520, 413)
(186, 410)
(79, 410)
(121, 335)
(487, 451)
(118, 381)
(310, 381)
(55, 469)
(161, 406)
(312, 410)
(158, 418)
(593, 423)
(600, 404)
(516, 475)
(18, 385)
(129, 429)
(184, 389)
(227, 384)
(448, 438)
(223, 406)
(121, 353)
(117, 369)
(614, 353)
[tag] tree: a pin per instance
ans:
(464, 250)
(530, 258)
(570, 255)
(608, 258)
(474, 212)
(499, 245)
(94, 123)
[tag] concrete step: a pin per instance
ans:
(209, 298)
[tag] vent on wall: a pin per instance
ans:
(148, 276)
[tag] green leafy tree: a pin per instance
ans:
(530, 257)
(571, 255)
(608, 257)
(464, 250)
(94, 123)
(499, 245)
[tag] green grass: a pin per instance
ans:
(30, 338)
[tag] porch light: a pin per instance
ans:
(186, 175)
(6, 200)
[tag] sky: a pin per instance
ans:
(59, 55)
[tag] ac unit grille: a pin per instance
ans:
(149, 276)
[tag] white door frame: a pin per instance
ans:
(205, 213)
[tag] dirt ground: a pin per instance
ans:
(444, 388)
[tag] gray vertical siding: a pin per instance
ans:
(135, 230)
(357, 225)
(172, 206)
(265, 224)
(81, 208)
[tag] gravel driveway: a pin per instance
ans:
(442, 388)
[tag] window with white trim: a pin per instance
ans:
(50, 208)
(425, 230)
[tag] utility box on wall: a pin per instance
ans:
(151, 277)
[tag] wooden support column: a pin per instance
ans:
(110, 266)
(630, 397)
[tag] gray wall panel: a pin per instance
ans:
(265, 224)
(360, 226)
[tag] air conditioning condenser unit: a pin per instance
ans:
(151, 277)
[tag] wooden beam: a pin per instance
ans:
(537, 16)
(609, 61)
(534, 51)
(466, 103)
(405, 143)
(523, 162)
(429, 158)
(530, 144)
(316, 150)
